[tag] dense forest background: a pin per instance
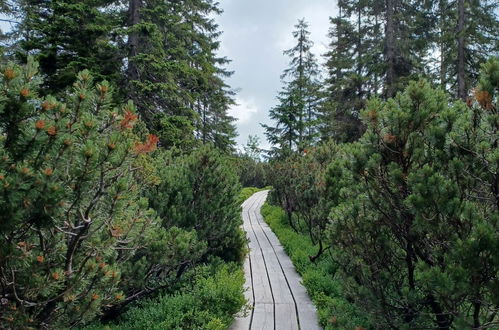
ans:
(120, 177)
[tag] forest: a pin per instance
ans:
(121, 181)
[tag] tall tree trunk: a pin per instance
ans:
(461, 74)
(390, 49)
(376, 86)
(133, 39)
(301, 72)
(339, 36)
(443, 64)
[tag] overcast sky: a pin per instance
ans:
(255, 33)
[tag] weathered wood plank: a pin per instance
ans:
(263, 317)
(285, 317)
(280, 300)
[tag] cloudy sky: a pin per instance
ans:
(255, 33)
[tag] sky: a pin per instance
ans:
(255, 34)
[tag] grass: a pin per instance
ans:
(335, 312)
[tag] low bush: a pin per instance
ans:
(199, 192)
(208, 300)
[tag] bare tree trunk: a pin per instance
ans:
(461, 74)
(301, 78)
(443, 66)
(133, 39)
(376, 86)
(390, 49)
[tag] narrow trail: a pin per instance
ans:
(273, 286)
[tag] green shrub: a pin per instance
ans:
(71, 208)
(199, 192)
(77, 238)
(208, 303)
(414, 225)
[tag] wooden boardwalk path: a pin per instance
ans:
(273, 288)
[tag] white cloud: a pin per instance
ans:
(243, 111)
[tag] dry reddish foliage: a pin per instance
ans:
(149, 146)
(128, 120)
(40, 124)
(483, 98)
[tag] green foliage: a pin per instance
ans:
(323, 286)
(161, 55)
(250, 167)
(296, 114)
(72, 212)
(300, 188)
(68, 37)
(77, 238)
(251, 172)
(175, 76)
(208, 302)
(199, 191)
(419, 192)
(378, 46)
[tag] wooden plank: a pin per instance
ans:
(280, 289)
(261, 285)
(276, 286)
(285, 317)
(263, 317)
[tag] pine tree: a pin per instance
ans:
(70, 199)
(66, 37)
(296, 114)
(397, 31)
(419, 192)
(199, 192)
(174, 73)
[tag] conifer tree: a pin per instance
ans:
(340, 110)
(296, 114)
(464, 34)
(198, 192)
(418, 190)
(66, 37)
(71, 215)
(174, 74)
(160, 54)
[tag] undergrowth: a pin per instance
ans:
(214, 294)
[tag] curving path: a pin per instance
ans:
(273, 286)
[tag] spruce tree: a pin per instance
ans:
(66, 37)
(174, 73)
(339, 117)
(465, 37)
(297, 112)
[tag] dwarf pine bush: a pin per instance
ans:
(74, 228)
